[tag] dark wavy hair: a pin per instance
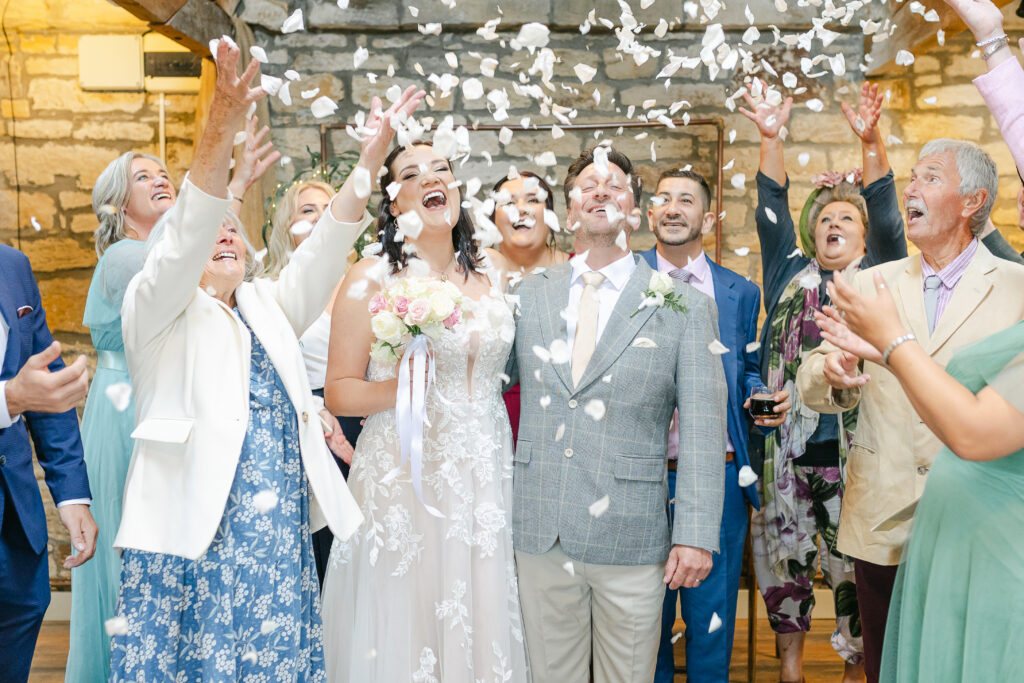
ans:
(467, 249)
(549, 199)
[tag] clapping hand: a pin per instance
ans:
(864, 120)
(768, 118)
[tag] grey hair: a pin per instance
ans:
(110, 196)
(977, 172)
(253, 268)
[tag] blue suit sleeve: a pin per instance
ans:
(751, 359)
(56, 436)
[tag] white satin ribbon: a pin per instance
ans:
(411, 412)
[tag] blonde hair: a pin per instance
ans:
(843, 192)
(279, 244)
(110, 196)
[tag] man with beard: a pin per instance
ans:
(607, 350)
(680, 216)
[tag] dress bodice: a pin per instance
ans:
(118, 265)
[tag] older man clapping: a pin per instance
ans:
(952, 294)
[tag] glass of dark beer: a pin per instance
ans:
(762, 403)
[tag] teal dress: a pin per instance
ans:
(956, 610)
(106, 437)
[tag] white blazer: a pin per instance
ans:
(189, 355)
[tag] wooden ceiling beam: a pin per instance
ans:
(193, 23)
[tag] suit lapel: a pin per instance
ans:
(9, 311)
(622, 325)
(972, 289)
(911, 298)
(552, 324)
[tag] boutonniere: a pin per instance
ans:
(661, 291)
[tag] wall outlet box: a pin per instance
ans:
(110, 62)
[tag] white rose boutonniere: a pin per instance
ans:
(661, 292)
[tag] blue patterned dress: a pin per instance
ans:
(248, 609)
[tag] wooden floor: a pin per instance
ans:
(821, 662)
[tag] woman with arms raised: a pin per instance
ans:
(217, 578)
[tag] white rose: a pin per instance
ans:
(381, 354)
(661, 283)
(387, 327)
(433, 330)
(441, 304)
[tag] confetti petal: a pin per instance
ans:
(259, 54)
(595, 409)
(718, 348)
(803, 158)
(472, 89)
(904, 58)
(741, 251)
(359, 57)
(361, 182)
(120, 395)
(264, 501)
(545, 401)
(293, 23)
(323, 106)
(560, 351)
(716, 622)
(739, 181)
(300, 228)
(599, 506)
(746, 476)
(35, 224)
(410, 224)
(752, 347)
(116, 626)
(584, 72)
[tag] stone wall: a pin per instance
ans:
(64, 138)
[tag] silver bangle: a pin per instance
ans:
(995, 47)
(893, 344)
(991, 40)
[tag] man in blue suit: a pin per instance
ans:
(37, 396)
(679, 216)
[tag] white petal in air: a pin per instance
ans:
(752, 347)
(392, 189)
(904, 58)
(741, 251)
(264, 501)
(542, 353)
(359, 57)
(560, 351)
(120, 395)
(545, 401)
(410, 224)
(739, 181)
(361, 182)
(746, 476)
(323, 106)
(718, 348)
(532, 36)
(116, 626)
(716, 622)
(300, 228)
(472, 89)
(810, 280)
(293, 23)
(803, 158)
(258, 53)
(676, 637)
(309, 94)
(35, 224)
(568, 567)
(771, 215)
(271, 84)
(599, 506)
(793, 254)
(815, 105)
(595, 409)
(584, 72)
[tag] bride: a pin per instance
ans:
(425, 590)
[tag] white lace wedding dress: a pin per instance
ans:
(417, 598)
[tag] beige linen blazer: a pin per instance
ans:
(189, 355)
(892, 448)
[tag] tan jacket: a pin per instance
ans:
(892, 448)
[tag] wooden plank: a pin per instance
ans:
(193, 23)
(153, 11)
(914, 34)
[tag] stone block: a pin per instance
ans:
(51, 254)
(81, 223)
(622, 67)
(1000, 154)
(64, 301)
(64, 94)
(16, 109)
(927, 80)
(320, 61)
(119, 130)
(74, 200)
(703, 95)
(360, 14)
(321, 40)
(829, 126)
(269, 14)
(40, 165)
(328, 85)
(571, 13)
(926, 64)
(949, 97)
(53, 66)
(919, 128)
(68, 44)
(37, 42)
(46, 129)
(40, 206)
(475, 14)
(962, 65)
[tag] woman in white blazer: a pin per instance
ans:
(218, 580)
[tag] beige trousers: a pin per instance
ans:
(608, 613)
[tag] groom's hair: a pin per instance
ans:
(687, 174)
(586, 158)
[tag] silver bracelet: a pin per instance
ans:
(995, 47)
(893, 344)
(991, 40)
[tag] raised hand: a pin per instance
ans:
(232, 95)
(873, 318)
(768, 118)
(255, 159)
(378, 128)
(864, 120)
(835, 330)
(982, 17)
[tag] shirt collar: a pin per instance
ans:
(698, 267)
(616, 273)
(951, 274)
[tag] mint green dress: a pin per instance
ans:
(106, 438)
(957, 611)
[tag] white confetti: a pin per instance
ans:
(264, 501)
(752, 347)
(548, 159)
(771, 215)
(116, 626)
(488, 66)
(542, 353)
(300, 228)
(930, 100)
(361, 182)
(741, 251)
(904, 58)
(472, 89)
(259, 54)
(120, 395)
(393, 189)
(293, 23)
(789, 79)
(803, 158)
(599, 506)
(595, 409)
(676, 637)
(793, 254)
(584, 72)
(560, 351)
(810, 280)
(739, 181)
(323, 106)
(410, 224)
(35, 223)
(309, 94)
(644, 343)
(545, 401)
(746, 476)
(560, 432)
(271, 84)
(716, 622)
(359, 57)
(569, 568)
(268, 626)
(815, 105)
(292, 75)
(893, 140)
(531, 36)
(718, 348)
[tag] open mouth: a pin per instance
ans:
(835, 238)
(524, 224)
(913, 214)
(161, 195)
(435, 200)
(221, 256)
(673, 224)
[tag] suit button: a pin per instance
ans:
(305, 416)
(573, 403)
(3, 460)
(568, 452)
(922, 470)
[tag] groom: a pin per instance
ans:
(594, 548)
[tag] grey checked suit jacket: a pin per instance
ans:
(622, 456)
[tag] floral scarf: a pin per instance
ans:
(793, 333)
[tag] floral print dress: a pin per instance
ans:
(248, 609)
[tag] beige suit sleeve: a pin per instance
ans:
(818, 394)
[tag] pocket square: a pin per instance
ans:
(24, 310)
(644, 343)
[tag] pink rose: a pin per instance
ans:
(419, 312)
(378, 303)
(401, 305)
(454, 319)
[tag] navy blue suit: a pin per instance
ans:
(24, 575)
(708, 654)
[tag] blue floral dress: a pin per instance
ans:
(248, 609)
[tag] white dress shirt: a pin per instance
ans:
(616, 275)
(700, 279)
(5, 417)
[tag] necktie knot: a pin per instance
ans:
(932, 282)
(593, 279)
(681, 274)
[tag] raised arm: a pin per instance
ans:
(770, 120)
(864, 122)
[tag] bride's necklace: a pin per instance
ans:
(444, 273)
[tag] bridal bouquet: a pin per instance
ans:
(408, 308)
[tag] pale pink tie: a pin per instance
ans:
(586, 325)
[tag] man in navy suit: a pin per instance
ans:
(679, 216)
(37, 396)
